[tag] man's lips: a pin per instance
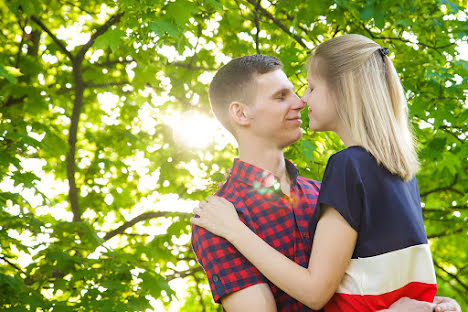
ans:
(296, 119)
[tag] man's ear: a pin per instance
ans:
(240, 113)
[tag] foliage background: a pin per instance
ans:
(104, 144)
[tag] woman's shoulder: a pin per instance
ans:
(352, 156)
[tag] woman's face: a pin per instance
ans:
(322, 108)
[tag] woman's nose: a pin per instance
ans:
(299, 103)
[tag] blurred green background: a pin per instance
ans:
(107, 140)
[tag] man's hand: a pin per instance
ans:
(410, 305)
(445, 304)
(440, 304)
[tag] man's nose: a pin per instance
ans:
(298, 104)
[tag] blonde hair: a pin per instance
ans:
(370, 100)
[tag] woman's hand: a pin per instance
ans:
(218, 216)
(226, 176)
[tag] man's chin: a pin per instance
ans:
(293, 140)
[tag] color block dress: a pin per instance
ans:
(392, 258)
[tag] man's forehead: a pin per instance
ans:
(274, 80)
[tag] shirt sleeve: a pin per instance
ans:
(342, 188)
(227, 269)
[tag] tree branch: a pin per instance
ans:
(12, 101)
(337, 29)
(197, 287)
(446, 129)
(445, 210)
(257, 26)
(183, 274)
(304, 29)
(20, 46)
(446, 188)
(451, 275)
(99, 31)
(12, 264)
(142, 217)
(78, 7)
(373, 36)
(55, 39)
(278, 23)
(79, 86)
(446, 233)
(190, 66)
(111, 63)
(105, 85)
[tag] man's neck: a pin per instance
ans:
(269, 159)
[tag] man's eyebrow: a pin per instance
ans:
(282, 90)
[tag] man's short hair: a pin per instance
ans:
(235, 82)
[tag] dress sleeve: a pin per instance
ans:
(226, 268)
(342, 188)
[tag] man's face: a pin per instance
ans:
(275, 113)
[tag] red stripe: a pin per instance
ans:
(351, 303)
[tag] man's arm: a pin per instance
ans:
(234, 282)
(254, 298)
(440, 304)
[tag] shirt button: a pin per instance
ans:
(215, 278)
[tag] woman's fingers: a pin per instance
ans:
(197, 211)
(223, 200)
(196, 221)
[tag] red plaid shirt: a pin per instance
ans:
(286, 223)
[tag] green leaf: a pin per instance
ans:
(454, 8)
(163, 27)
(379, 17)
(216, 4)
(308, 149)
(112, 38)
(154, 284)
(6, 74)
(367, 13)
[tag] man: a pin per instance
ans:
(255, 101)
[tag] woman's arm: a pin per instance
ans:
(332, 249)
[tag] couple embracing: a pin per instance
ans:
(272, 240)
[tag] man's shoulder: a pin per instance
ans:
(308, 183)
(234, 191)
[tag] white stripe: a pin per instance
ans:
(388, 272)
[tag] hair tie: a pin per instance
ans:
(384, 51)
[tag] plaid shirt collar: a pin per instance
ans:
(258, 178)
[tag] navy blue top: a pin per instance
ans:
(383, 209)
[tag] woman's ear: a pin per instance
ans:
(240, 113)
